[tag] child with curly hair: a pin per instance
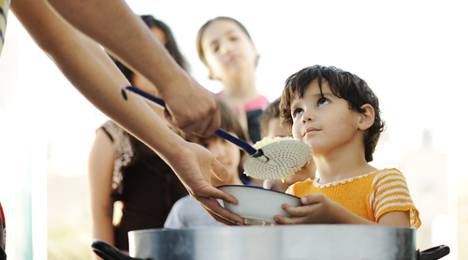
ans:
(338, 115)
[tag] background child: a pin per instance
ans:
(187, 212)
(338, 115)
(270, 127)
(226, 48)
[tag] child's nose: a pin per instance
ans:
(217, 151)
(226, 47)
(307, 116)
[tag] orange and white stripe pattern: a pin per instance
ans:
(369, 196)
(391, 193)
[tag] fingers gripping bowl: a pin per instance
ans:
(257, 205)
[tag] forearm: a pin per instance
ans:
(341, 215)
(120, 31)
(393, 218)
(89, 69)
(103, 228)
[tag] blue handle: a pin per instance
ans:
(245, 146)
(220, 132)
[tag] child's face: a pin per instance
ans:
(324, 122)
(275, 129)
(227, 49)
(226, 153)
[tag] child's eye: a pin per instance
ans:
(297, 112)
(322, 101)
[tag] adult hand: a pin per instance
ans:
(192, 108)
(194, 166)
(113, 24)
(317, 208)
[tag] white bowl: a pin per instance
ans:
(258, 205)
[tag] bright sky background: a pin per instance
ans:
(413, 54)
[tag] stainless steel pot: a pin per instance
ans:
(274, 242)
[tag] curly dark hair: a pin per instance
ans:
(342, 84)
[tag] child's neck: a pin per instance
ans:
(341, 166)
(240, 89)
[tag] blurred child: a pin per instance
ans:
(187, 212)
(270, 127)
(226, 48)
(338, 115)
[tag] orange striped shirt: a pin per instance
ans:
(368, 196)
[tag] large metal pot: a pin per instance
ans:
(274, 242)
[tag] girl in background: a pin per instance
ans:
(121, 168)
(225, 47)
(187, 212)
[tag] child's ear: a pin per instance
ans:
(367, 117)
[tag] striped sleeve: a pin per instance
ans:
(391, 193)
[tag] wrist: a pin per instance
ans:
(173, 81)
(172, 148)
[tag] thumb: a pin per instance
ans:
(219, 171)
(312, 198)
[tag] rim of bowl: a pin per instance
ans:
(256, 187)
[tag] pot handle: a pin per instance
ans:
(433, 253)
(108, 252)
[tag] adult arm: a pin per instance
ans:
(93, 73)
(100, 171)
(112, 24)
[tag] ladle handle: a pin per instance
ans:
(433, 253)
(220, 132)
(245, 146)
(108, 252)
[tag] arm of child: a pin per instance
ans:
(319, 209)
(100, 170)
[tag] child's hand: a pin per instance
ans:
(308, 171)
(317, 208)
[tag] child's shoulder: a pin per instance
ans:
(387, 175)
(368, 178)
